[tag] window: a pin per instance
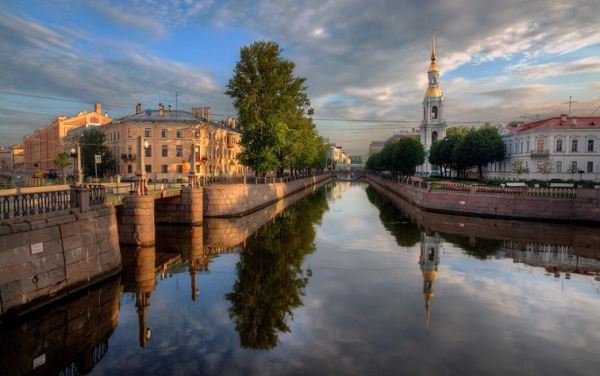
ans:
(179, 169)
(559, 166)
(179, 133)
(540, 167)
(148, 168)
(147, 132)
(574, 167)
(164, 133)
(516, 148)
(179, 151)
(521, 148)
(434, 112)
(164, 169)
(129, 133)
(540, 145)
(197, 132)
(559, 145)
(574, 145)
(590, 145)
(165, 151)
(527, 165)
(129, 169)
(590, 167)
(148, 151)
(434, 136)
(129, 151)
(527, 147)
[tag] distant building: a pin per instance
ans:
(44, 144)
(171, 134)
(6, 159)
(433, 127)
(554, 148)
(376, 147)
(336, 155)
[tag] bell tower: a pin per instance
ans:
(433, 125)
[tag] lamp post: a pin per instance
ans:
(76, 154)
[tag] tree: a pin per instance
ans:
(519, 168)
(92, 144)
(272, 104)
(408, 154)
(482, 146)
(62, 161)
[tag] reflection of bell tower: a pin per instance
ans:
(139, 278)
(431, 247)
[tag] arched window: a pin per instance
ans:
(434, 136)
(434, 112)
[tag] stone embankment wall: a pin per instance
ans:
(584, 208)
(227, 233)
(44, 257)
(585, 240)
(232, 200)
(185, 208)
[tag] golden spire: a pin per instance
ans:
(433, 57)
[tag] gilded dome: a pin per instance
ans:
(433, 92)
(429, 275)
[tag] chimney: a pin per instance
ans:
(138, 108)
(161, 109)
(170, 108)
(563, 118)
(98, 108)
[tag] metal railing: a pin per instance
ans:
(26, 204)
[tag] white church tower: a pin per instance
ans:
(433, 126)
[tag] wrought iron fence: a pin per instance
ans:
(25, 204)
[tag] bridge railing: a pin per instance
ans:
(34, 203)
(216, 180)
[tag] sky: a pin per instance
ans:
(365, 61)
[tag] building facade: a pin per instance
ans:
(12, 158)
(171, 135)
(336, 155)
(433, 126)
(560, 147)
(41, 147)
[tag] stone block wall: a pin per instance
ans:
(584, 208)
(136, 220)
(183, 209)
(46, 256)
(233, 200)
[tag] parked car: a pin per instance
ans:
(128, 179)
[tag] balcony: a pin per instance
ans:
(545, 153)
(128, 157)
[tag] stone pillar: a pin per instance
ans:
(192, 204)
(136, 225)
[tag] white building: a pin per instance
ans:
(433, 127)
(556, 148)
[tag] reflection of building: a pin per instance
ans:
(431, 247)
(44, 144)
(433, 126)
(557, 147)
(170, 135)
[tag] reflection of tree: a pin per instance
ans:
(476, 247)
(271, 280)
(394, 220)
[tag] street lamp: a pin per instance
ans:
(76, 155)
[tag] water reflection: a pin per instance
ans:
(429, 260)
(270, 275)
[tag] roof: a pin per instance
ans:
(173, 116)
(559, 122)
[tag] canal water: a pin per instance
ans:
(341, 282)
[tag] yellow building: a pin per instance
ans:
(170, 135)
(44, 144)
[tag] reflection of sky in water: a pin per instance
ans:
(363, 313)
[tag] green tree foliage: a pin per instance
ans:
(274, 112)
(406, 233)
(92, 143)
(62, 161)
(482, 146)
(463, 149)
(402, 156)
(271, 277)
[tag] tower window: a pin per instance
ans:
(434, 136)
(434, 112)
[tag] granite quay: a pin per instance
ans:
(536, 204)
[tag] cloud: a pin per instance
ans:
(532, 72)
